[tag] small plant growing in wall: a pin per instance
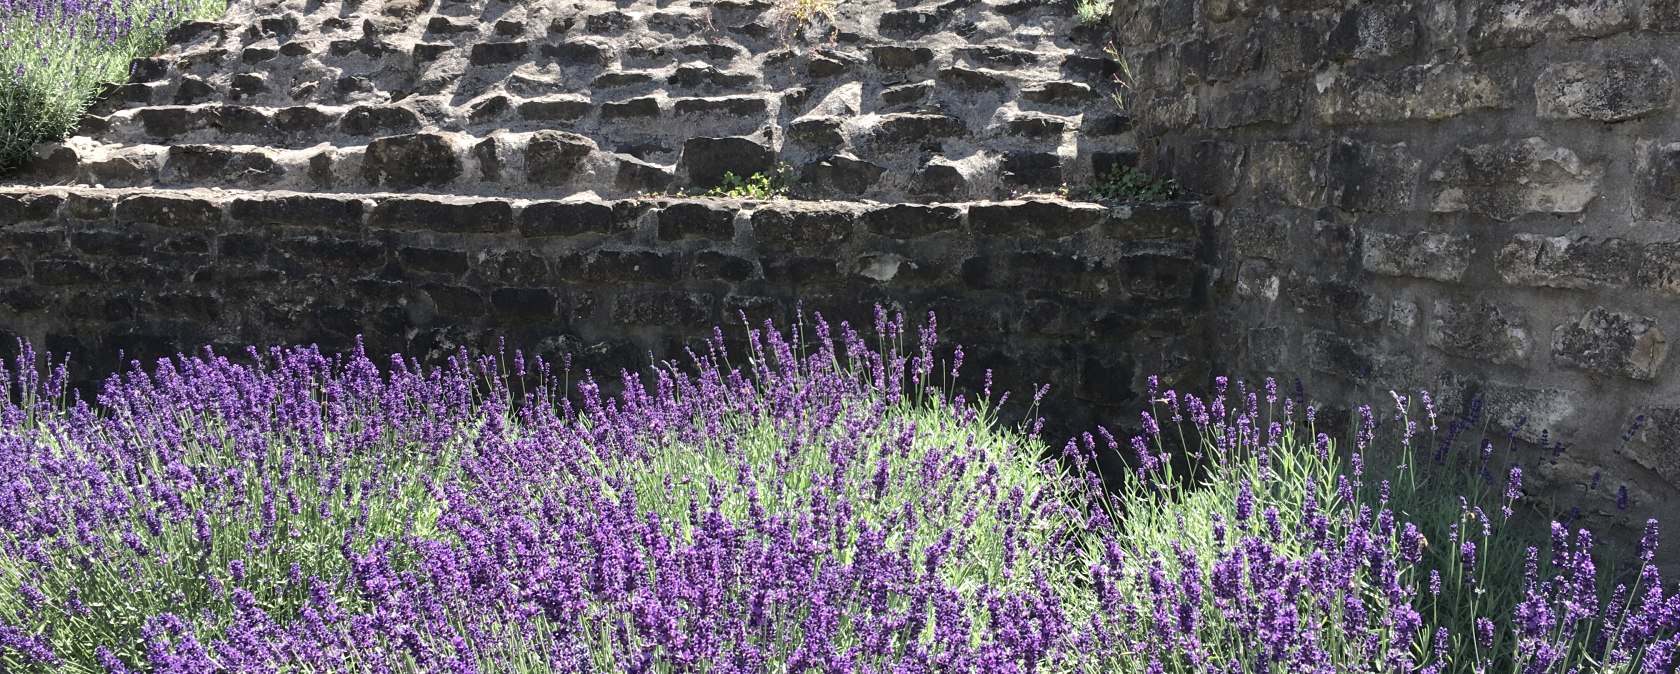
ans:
(1093, 13)
(795, 17)
(761, 185)
(1123, 79)
(1127, 183)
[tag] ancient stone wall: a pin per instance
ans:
(1476, 197)
(1087, 297)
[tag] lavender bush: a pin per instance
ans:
(826, 504)
(55, 55)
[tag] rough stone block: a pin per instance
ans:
(1258, 233)
(239, 119)
(1033, 170)
(1372, 176)
(567, 218)
(1427, 92)
(1611, 343)
(1507, 179)
(1287, 173)
(1562, 262)
(645, 107)
(615, 80)
(1053, 219)
(27, 207)
(898, 57)
(525, 304)
(410, 161)
(214, 164)
(911, 221)
(168, 211)
(635, 175)
(1432, 255)
(1268, 348)
(941, 181)
(1657, 444)
(437, 215)
(1037, 127)
(736, 106)
(909, 24)
(706, 160)
(578, 53)
(1522, 23)
(64, 272)
(973, 81)
(709, 77)
(554, 157)
(1061, 93)
(1342, 357)
(1275, 104)
(841, 174)
(1659, 267)
(1181, 221)
(710, 264)
(799, 270)
(1539, 409)
(1479, 330)
(820, 132)
(297, 211)
(1334, 299)
(432, 260)
(1373, 32)
(496, 53)
(1210, 167)
(665, 308)
(108, 242)
(802, 228)
(1613, 90)
(916, 128)
(1258, 279)
(623, 266)
(681, 220)
(559, 109)
(900, 96)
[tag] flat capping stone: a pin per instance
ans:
(453, 215)
(168, 210)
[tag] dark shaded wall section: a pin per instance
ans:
(1087, 297)
(1474, 197)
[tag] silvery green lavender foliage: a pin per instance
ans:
(824, 506)
(56, 54)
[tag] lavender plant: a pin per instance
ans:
(826, 505)
(55, 55)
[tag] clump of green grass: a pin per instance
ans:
(56, 56)
(795, 17)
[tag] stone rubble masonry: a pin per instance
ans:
(1037, 289)
(1479, 198)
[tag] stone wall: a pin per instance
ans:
(1476, 197)
(1088, 297)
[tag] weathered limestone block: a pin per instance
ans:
(1367, 176)
(567, 218)
(168, 211)
(1279, 104)
(689, 219)
(1540, 409)
(910, 24)
(802, 227)
(910, 127)
(1432, 255)
(664, 308)
(1334, 299)
(1181, 221)
(1659, 267)
(1258, 279)
(560, 108)
(841, 174)
(1657, 444)
(298, 211)
(556, 157)
(1511, 178)
(1431, 92)
(706, 160)
(645, 107)
(1373, 32)
(899, 57)
(972, 81)
(635, 175)
(1611, 343)
(1562, 262)
(16, 208)
(1288, 173)
(1521, 23)
(1612, 90)
(911, 221)
(1257, 233)
(1343, 357)
(1659, 180)
(410, 161)
(1479, 330)
(453, 216)
(1054, 219)
(214, 164)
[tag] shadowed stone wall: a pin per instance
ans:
(1475, 197)
(1087, 297)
